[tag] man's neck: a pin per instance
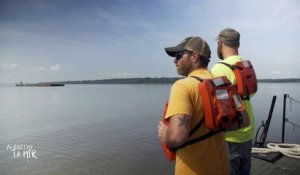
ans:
(195, 67)
(227, 52)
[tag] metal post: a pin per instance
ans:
(267, 124)
(283, 117)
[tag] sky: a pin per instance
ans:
(59, 40)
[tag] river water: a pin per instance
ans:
(104, 129)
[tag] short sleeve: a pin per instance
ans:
(179, 101)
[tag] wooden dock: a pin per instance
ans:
(283, 166)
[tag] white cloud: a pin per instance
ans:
(276, 72)
(41, 68)
(56, 68)
(106, 16)
(12, 66)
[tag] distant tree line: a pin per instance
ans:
(162, 80)
(286, 80)
(146, 80)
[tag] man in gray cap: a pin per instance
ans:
(239, 141)
(185, 111)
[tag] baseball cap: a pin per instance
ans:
(229, 37)
(195, 44)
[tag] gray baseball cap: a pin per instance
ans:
(229, 37)
(195, 44)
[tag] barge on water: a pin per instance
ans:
(41, 84)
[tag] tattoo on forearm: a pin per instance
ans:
(184, 121)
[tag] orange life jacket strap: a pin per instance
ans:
(198, 139)
(232, 67)
(203, 137)
(198, 125)
(197, 78)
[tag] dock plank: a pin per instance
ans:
(283, 166)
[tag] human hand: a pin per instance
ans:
(162, 131)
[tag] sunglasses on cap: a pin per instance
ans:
(178, 55)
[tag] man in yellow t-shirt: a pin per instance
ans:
(239, 141)
(185, 110)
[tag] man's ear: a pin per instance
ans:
(195, 58)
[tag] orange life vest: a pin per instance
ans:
(245, 77)
(221, 103)
(171, 155)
